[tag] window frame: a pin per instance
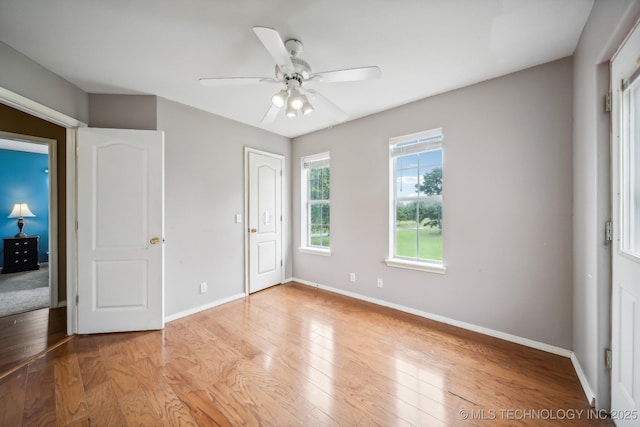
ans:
(400, 146)
(323, 159)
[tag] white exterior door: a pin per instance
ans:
(120, 230)
(264, 219)
(625, 303)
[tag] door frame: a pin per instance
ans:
(26, 105)
(52, 164)
(246, 233)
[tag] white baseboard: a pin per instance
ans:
(591, 397)
(195, 310)
(442, 319)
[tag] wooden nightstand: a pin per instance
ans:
(20, 254)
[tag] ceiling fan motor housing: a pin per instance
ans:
(302, 70)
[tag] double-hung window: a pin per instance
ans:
(415, 212)
(316, 204)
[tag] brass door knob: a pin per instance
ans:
(253, 230)
(154, 240)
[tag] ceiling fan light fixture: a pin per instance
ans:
(307, 108)
(291, 112)
(279, 98)
(296, 100)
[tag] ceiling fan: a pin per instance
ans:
(294, 74)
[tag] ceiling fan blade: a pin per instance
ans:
(327, 104)
(271, 114)
(272, 41)
(348, 75)
(235, 81)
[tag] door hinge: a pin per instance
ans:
(77, 299)
(281, 263)
(608, 231)
(607, 358)
(77, 150)
(607, 102)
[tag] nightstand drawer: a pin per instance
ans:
(24, 243)
(20, 254)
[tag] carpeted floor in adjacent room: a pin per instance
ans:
(24, 291)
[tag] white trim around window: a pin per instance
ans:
(320, 201)
(415, 202)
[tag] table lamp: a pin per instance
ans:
(20, 210)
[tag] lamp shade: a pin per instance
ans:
(20, 210)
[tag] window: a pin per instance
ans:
(316, 204)
(415, 230)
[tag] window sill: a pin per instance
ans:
(414, 265)
(315, 251)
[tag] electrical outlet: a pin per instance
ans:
(203, 287)
(380, 284)
(352, 277)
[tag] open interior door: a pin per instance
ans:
(625, 301)
(120, 230)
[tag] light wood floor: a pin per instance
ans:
(293, 355)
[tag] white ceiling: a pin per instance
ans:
(15, 145)
(162, 47)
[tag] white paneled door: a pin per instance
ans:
(264, 174)
(120, 230)
(625, 334)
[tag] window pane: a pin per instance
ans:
(406, 229)
(406, 215)
(315, 214)
(325, 184)
(431, 158)
(406, 243)
(430, 230)
(406, 181)
(319, 184)
(320, 235)
(408, 161)
(431, 180)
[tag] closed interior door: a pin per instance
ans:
(264, 219)
(120, 230)
(625, 347)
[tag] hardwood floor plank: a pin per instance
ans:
(172, 411)
(104, 406)
(203, 409)
(12, 398)
(40, 403)
(138, 410)
(71, 403)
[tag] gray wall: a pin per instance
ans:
(204, 185)
(25, 77)
(608, 23)
(507, 205)
(123, 111)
